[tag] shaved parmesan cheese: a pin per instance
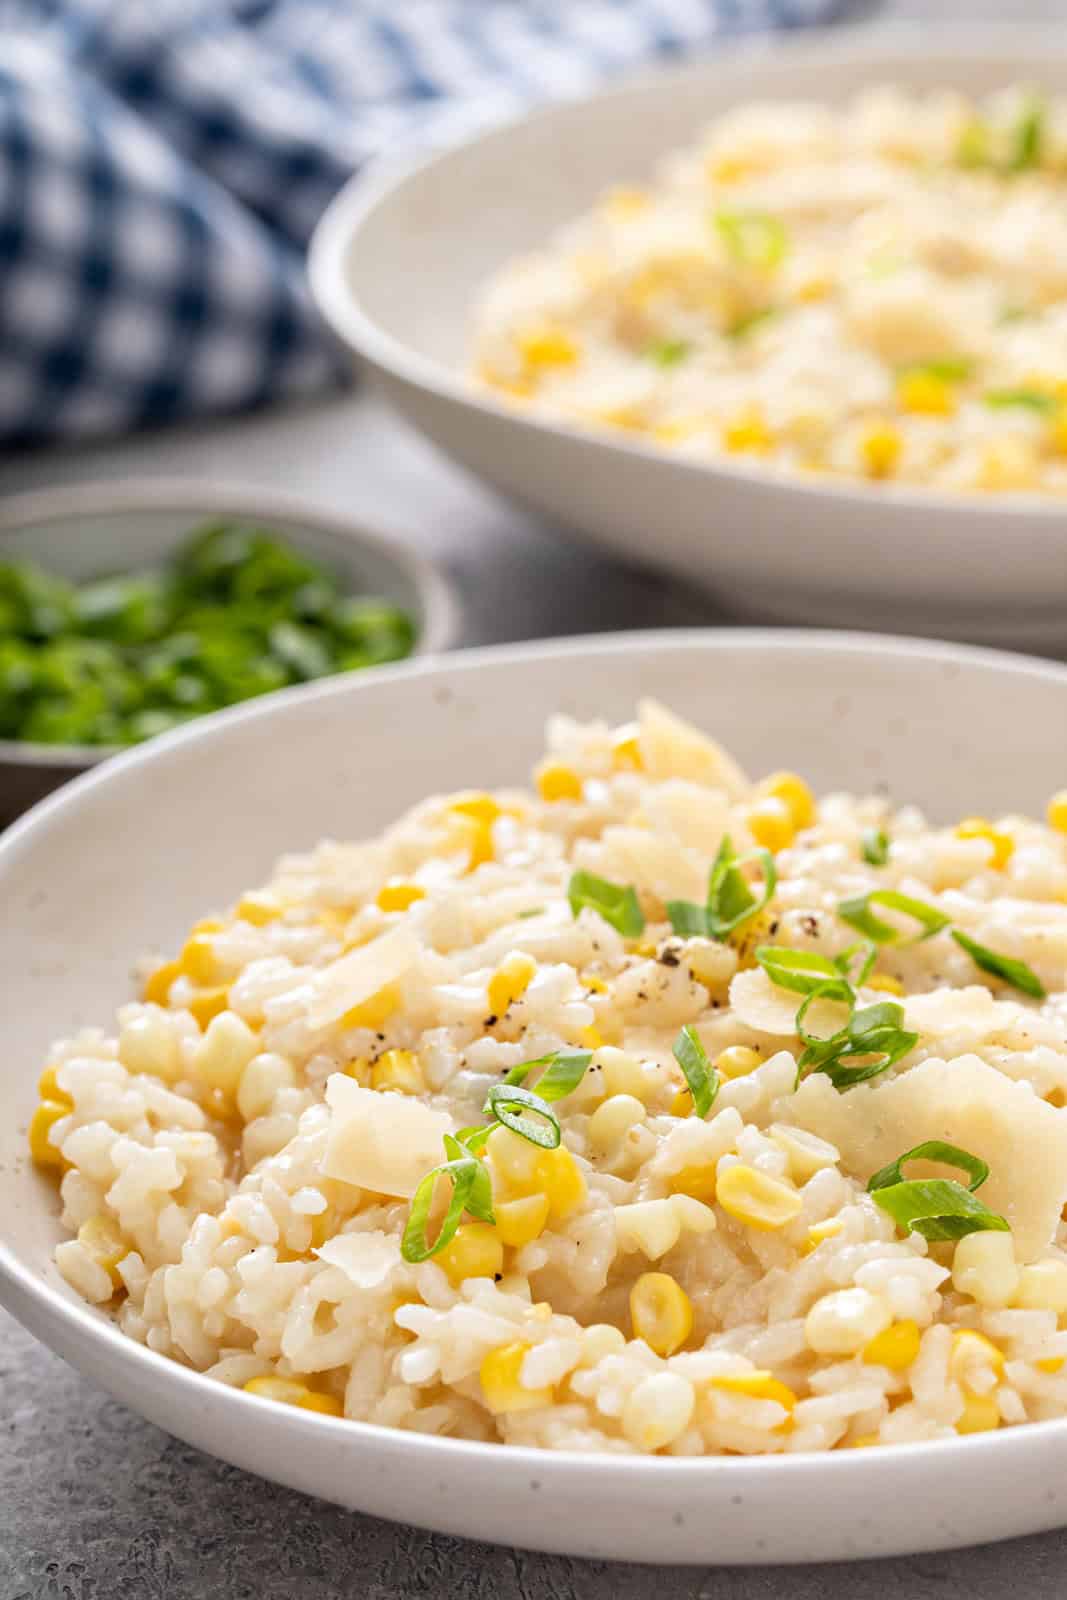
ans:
(381, 1141)
(958, 1019)
(663, 868)
(671, 748)
(366, 1258)
(355, 977)
(763, 1006)
(964, 1102)
(697, 817)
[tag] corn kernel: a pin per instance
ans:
(373, 1011)
(500, 1375)
(820, 1231)
(510, 981)
(515, 1162)
(521, 1221)
(199, 962)
(971, 1351)
(44, 1119)
(1057, 811)
(770, 822)
(206, 1004)
(358, 1068)
(477, 805)
(624, 203)
(657, 1410)
(101, 1237)
(844, 1322)
(474, 1251)
(925, 394)
(626, 749)
(592, 983)
(1057, 433)
(862, 1441)
(547, 347)
(983, 1267)
(747, 433)
(805, 1152)
(978, 828)
(398, 1070)
(157, 984)
(398, 895)
(981, 1414)
(794, 794)
(756, 1198)
(661, 1312)
(224, 1052)
(884, 984)
(1042, 1287)
(895, 1347)
(480, 847)
(590, 1038)
(761, 1386)
(613, 1119)
(557, 782)
(48, 1088)
(258, 908)
(880, 449)
(1051, 1364)
(288, 1392)
(696, 1181)
(682, 1104)
(562, 1181)
(737, 1061)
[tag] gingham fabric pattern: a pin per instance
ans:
(162, 164)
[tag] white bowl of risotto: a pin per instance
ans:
(742, 1077)
(791, 322)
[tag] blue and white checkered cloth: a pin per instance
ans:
(162, 164)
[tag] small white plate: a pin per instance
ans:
(400, 259)
(126, 857)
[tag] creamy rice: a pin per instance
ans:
(240, 1151)
(876, 290)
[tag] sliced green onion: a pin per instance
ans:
(743, 326)
(525, 1114)
(474, 1138)
(472, 1192)
(875, 847)
(1033, 400)
(858, 914)
(700, 1075)
(1029, 136)
(531, 911)
(1017, 973)
(668, 352)
(938, 1208)
(688, 921)
(864, 954)
(874, 1038)
(752, 238)
(616, 903)
(951, 369)
(730, 899)
(803, 971)
(834, 989)
(565, 1071)
(972, 150)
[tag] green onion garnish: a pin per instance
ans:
(755, 319)
(700, 1075)
(1028, 137)
(858, 914)
(972, 149)
(1031, 399)
(668, 352)
(524, 1113)
(616, 903)
(730, 899)
(951, 369)
(752, 238)
(864, 954)
(471, 1191)
(873, 1037)
(1017, 973)
(565, 1070)
(531, 911)
(803, 971)
(938, 1208)
(875, 847)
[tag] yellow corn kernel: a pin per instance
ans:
(728, 169)
(970, 1349)
(590, 1038)
(44, 1119)
(206, 1004)
(590, 981)
(1042, 1286)
(820, 1231)
(516, 1163)
(477, 805)
(747, 433)
(737, 1061)
(398, 1070)
(157, 984)
(1057, 811)
(288, 1392)
(547, 347)
(624, 202)
(884, 984)
(880, 448)
(557, 782)
(895, 1347)
(481, 844)
(258, 908)
(682, 1104)
(697, 1181)
(48, 1088)
(398, 895)
(562, 1182)
(626, 749)
(101, 1237)
(756, 1198)
(373, 1011)
(862, 1441)
(747, 939)
(510, 981)
(520, 1222)
(925, 394)
(359, 1068)
(1051, 1364)
(474, 1251)
(794, 794)
(661, 1312)
(770, 822)
(981, 1414)
(198, 960)
(761, 1386)
(978, 828)
(814, 287)
(502, 1385)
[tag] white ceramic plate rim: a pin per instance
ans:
(437, 597)
(20, 1286)
(340, 225)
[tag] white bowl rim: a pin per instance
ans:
(20, 1283)
(375, 184)
(29, 508)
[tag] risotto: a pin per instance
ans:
(877, 291)
(650, 1109)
